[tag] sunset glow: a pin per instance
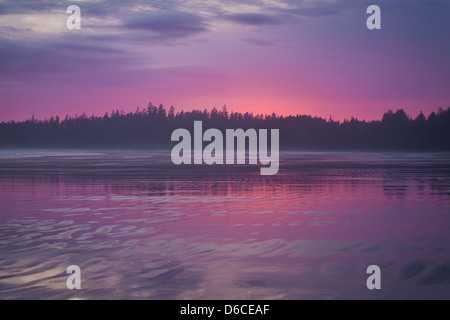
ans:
(288, 57)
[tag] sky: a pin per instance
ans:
(312, 57)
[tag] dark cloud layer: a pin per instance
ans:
(35, 58)
(252, 18)
(168, 24)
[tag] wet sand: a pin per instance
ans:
(140, 227)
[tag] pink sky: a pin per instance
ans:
(287, 57)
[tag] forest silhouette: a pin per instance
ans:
(152, 127)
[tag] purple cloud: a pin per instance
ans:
(255, 19)
(168, 24)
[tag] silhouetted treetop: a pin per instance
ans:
(152, 127)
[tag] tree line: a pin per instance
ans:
(151, 127)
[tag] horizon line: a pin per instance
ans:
(330, 118)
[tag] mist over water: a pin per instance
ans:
(140, 227)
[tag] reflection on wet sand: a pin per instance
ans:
(140, 227)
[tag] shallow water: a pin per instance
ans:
(140, 227)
